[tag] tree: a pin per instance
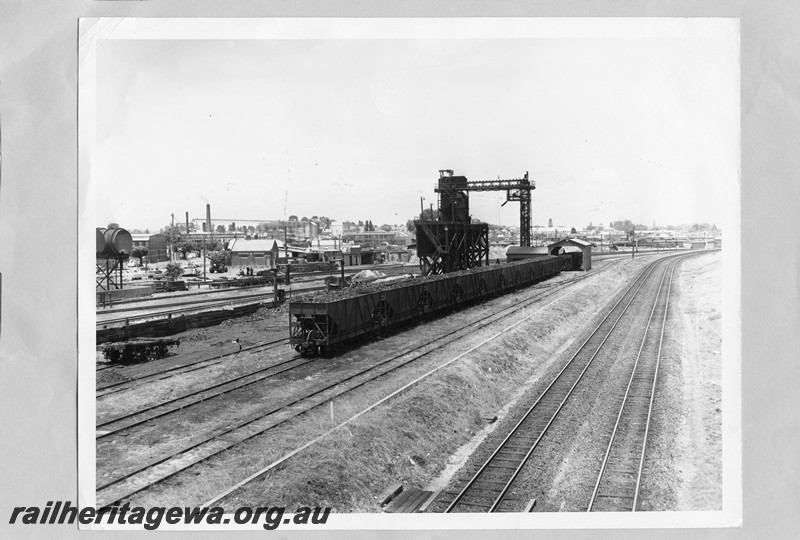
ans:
(410, 225)
(251, 229)
(113, 226)
(622, 225)
(173, 271)
(573, 231)
(218, 256)
(185, 247)
(430, 215)
(304, 218)
(140, 253)
(292, 218)
(216, 245)
(232, 227)
(220, 228)
(386, 227)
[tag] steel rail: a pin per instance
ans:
(480, 323)
(628, 390)
(296, 451)
(652, 398)
(192, 366)
(209, 390)
(108, 433)
(640, 280)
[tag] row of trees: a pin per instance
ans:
(365, 226)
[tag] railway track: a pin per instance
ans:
(486, 488)
(196, 306)
(620, 476)
(193, 303)
(109, 427)
(160, 469)
(220, 497)
(179, 369)
(204, 301)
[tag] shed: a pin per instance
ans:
(569, 244)
(157, 248)
(254, 252)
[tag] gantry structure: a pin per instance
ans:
(452, 242)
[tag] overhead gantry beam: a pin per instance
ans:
(517, 189)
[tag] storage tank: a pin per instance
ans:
(100, 241)
(118, 243)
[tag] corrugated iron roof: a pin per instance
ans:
(526, 250)
(242, 245)
(576, 241)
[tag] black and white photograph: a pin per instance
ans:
(391, 270)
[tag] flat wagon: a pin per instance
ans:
(320, 326)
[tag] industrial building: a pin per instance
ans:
(573, 244)
(255, 253)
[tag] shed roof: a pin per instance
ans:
(526, 250)
(242, 245)
(572, 241)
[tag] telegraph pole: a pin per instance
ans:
(171, 238)
(633, 242)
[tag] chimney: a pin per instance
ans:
(208, 220)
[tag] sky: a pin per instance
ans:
(642, 127)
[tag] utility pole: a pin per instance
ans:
(205, 256)
(633, 242)
(172, 238)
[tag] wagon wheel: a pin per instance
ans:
(112, 355)
(143, 354)
(127, 354)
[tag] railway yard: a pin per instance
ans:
(567, 391)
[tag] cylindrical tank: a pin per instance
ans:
(119, 242)
(101, 241)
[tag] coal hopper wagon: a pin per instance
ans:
(321, 325)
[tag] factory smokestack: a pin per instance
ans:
(187, 223)
(208, 221)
